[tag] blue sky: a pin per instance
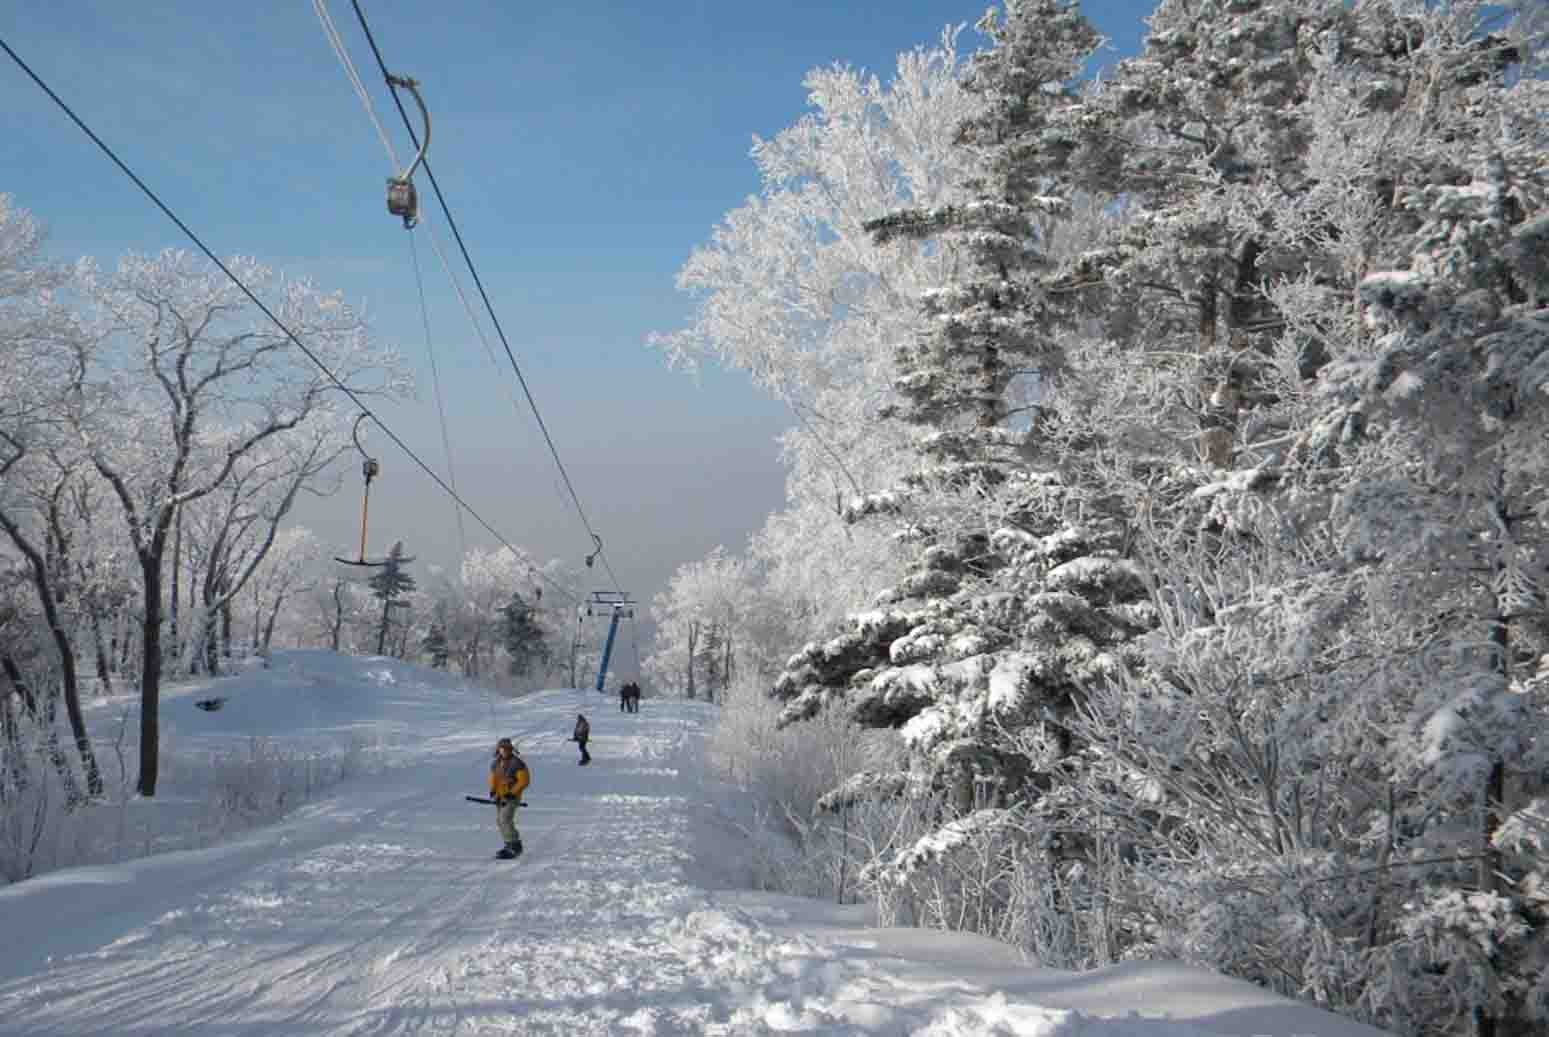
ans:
(584, 149)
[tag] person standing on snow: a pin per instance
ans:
(583, 731)
(508, 779)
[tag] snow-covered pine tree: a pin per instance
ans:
(390, 585)
(1342, 720)
(1021, 590)
(1448, 508)
(435, 645)
(522, 636)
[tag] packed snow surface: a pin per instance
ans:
(376, 907)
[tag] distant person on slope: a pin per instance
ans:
(624, 697)
(508, 778)
(583, 731)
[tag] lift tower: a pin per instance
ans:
(616, 605)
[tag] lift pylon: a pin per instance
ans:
(616, 605)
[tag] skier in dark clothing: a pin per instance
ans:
(629, 697)
(583, 731)
(508, 779)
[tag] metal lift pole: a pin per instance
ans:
(607, 649)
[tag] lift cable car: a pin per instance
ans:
(402, 199)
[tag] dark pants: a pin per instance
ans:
(586, 757)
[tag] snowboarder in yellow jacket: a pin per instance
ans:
(508, 778)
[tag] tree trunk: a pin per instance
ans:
(381, 634)
(173, 615)
(338, 615)
(150, 667)
(99, 646)
(225, 652)
(1493, 795)
(44, 719)
(693, 640)
(69, 676)
(57, 754)
(268, 635)
(14, 674)
(209, 632)
(10, 730)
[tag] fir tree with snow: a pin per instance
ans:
(391, 584)
(1022, 591)
(523, 637)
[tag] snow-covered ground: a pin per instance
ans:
(376, 908)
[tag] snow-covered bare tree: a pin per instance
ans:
(338, 611)
(473, 598)
(39, 472)
(176, 379)
(230, 533)
(699, 622)
(792, 291)
(289, 569)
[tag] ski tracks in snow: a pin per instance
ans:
(387, 915)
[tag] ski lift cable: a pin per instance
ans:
(263, 307)
(337, 42)
(329, 30)
(477, 280)
(435, 381)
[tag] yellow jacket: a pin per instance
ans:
(508, 778)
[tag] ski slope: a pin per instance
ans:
(377, 907)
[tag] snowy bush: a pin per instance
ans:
(264, 779)
(42, 829)
(39, 831)
(804, 843)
